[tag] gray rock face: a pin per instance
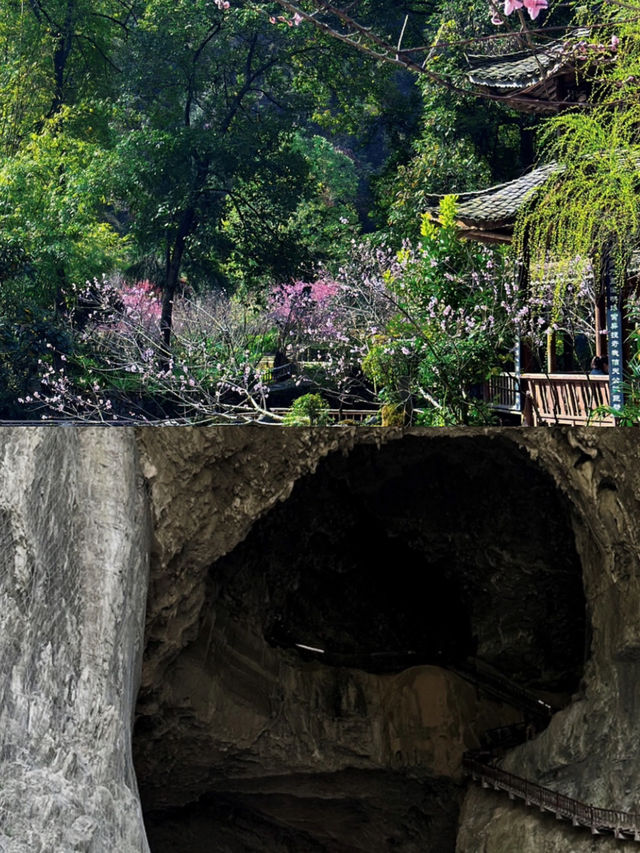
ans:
(591, 749)
(237, 732)
(73, 583)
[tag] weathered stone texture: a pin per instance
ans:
(73, 583)
(228, 479)
(590, 751)
(208, 487)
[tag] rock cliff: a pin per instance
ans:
(74, 531)
(495, 542)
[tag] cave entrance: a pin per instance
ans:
(432, 549)
(424, 551)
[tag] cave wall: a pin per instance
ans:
(303, 756)
(590, 750)
(231, 481)
(74, 531)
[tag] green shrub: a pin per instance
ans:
(308, 410)
(392, 415)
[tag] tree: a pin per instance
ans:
(64, 49)
(52, 194)
(208, 133)
(421, 326)
(54, 143)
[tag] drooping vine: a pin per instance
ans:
(590, 206)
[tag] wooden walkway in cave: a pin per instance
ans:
(480, 764)
(622, 825)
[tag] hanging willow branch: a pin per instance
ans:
(591, 204)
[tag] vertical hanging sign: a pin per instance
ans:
(516, 402)
(614, 334)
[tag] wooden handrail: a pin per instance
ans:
(567, 398)
(503, 688)
(621, 824)
(340, 414)
(550, 398)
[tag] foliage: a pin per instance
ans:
(118, 371)
(308, 410)
(423, 325)
(303, 309)
(53, 194)
(325, 222)
(464, 142)
(589, 207)
(452, 320)
(27, 336)
(392, 415)
(191, 149)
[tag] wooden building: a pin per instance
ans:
(544, 81)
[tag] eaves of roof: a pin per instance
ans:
(519, 71)
(496, 208)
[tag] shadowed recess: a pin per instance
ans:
(295, 705)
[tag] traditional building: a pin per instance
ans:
(544, 81)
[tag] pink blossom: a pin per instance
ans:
(297, 19)
(534, 7)
(511, 5)
(142, 303)
(615, 41)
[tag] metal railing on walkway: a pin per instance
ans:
(623, 825)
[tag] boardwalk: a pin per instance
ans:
(622, 825)
(480, 764)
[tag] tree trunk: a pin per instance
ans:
(172, 274)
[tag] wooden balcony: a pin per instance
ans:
(565, 398)
(554, 398)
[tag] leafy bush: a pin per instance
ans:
(308, 410)
(28, 336)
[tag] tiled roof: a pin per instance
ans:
(496, 207)
(517, 71)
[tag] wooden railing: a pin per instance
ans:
(504, 689)
(502, 391)
(550, 398)
(623, 825)
(565, 398)
(337, 415)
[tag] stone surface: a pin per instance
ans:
(590, 751)
(237, 731)
(73, 581)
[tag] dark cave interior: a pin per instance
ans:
(421, 552)
(427, 550)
